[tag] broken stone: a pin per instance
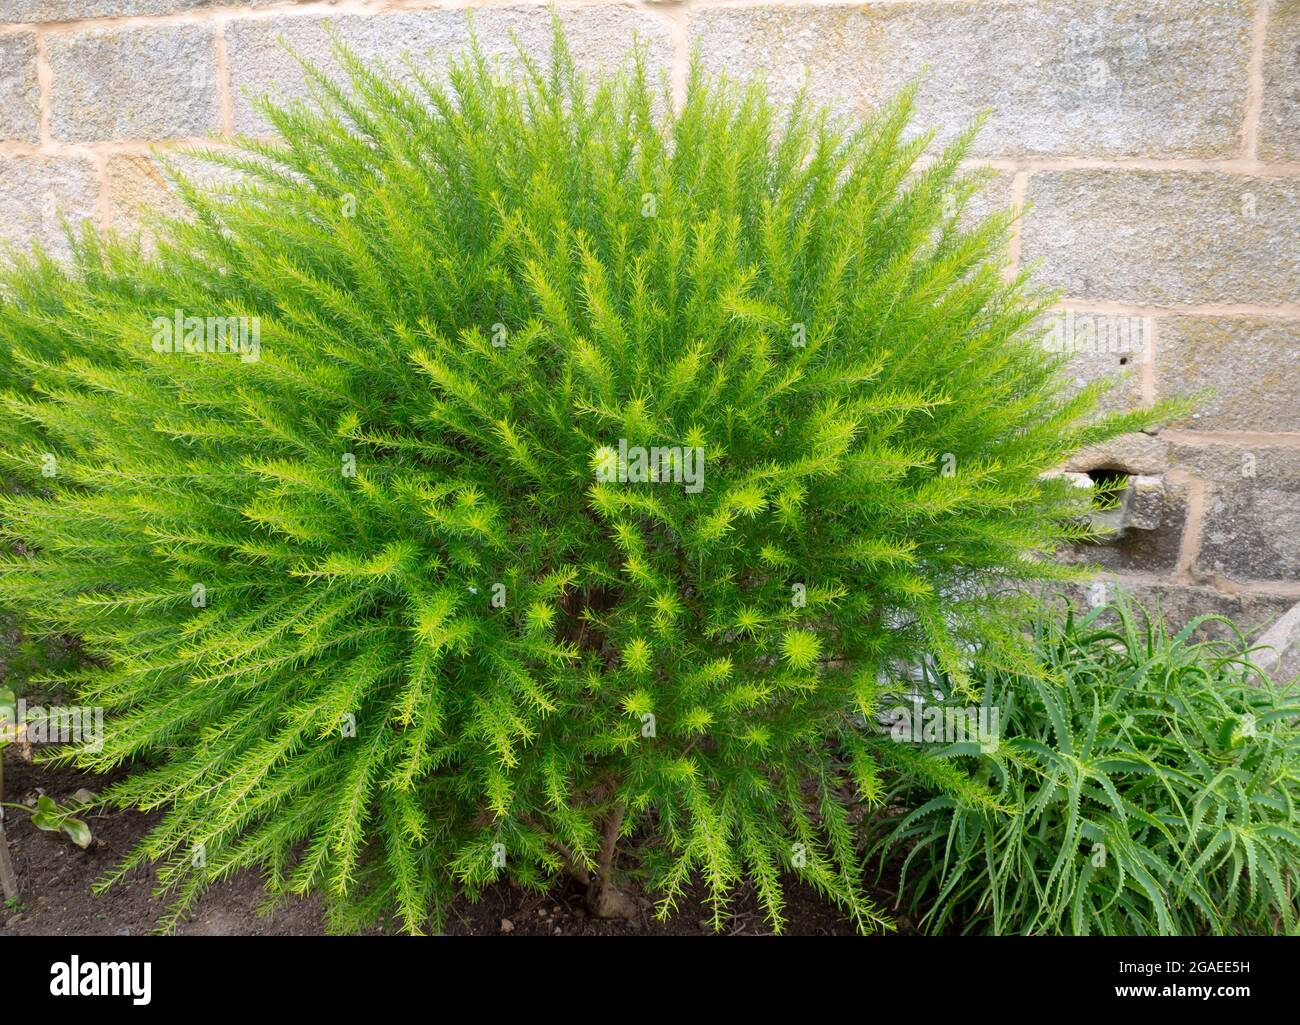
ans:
(1079, 480)
(1280, 646)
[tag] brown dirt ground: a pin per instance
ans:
(56, 879)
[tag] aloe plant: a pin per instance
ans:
(1144, 783)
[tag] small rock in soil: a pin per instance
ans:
(507, 925)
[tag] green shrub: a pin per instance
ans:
(369, 606)
(1145, 784)
(26, 659)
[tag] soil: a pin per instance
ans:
(56, 878)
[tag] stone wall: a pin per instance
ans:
(1156, 143)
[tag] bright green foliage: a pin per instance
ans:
(46, 815)
(470, 294)
(25, 660)
(1150, 786)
